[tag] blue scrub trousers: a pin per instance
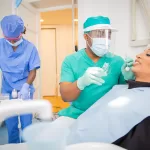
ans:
(12, 126)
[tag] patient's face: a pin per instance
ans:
(141, 66)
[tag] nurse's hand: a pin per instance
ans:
(24, 92)
(91, 76)
(126, 69)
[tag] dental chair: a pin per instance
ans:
(44, 109)
(93, 146)
(14, 147)
(18, 107)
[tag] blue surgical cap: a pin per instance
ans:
(12, 26)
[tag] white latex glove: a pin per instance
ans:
(91, 76)
(24, 92)
(126, 69)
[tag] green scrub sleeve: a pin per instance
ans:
(67, 74)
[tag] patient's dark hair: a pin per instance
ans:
(24, 32)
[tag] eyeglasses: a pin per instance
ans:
(13, 39)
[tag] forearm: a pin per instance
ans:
(69, 91)
(31, 77)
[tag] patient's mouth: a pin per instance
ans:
(136, 62)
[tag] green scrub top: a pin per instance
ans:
(74, 66)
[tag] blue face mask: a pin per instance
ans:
(99, 46)
(15, 44)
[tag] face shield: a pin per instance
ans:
(102, 42)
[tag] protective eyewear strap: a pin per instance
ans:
(13, 38)
(106, 37)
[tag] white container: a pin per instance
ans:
(14, 94)
(45, 136)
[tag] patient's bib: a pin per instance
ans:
(113, 116)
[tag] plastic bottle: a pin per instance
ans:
(14, 94)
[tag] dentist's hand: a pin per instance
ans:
(24, 92)
(126, 69)
(91, 76)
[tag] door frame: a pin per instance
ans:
(56, 58)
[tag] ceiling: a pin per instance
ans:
(51, 3)
(59, 17)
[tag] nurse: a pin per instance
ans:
(19, 60)
(83, 77)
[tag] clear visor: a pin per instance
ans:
(108, 37)
(101, 34)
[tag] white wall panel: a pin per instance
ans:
(28, 16)
(5, 9)
(119, 11)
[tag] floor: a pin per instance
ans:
(56, 102)
(3, 133)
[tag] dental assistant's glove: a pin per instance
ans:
(24, 92)
(91, 76)
(126, 69)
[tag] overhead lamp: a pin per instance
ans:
(75, 20)
(41, 20)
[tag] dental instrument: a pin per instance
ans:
(127, 68)
(106, 67)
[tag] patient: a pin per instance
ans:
(122, 116)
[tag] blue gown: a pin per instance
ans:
(16, 67)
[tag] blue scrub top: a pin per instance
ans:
(17, 65)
